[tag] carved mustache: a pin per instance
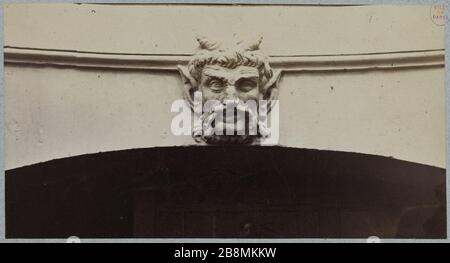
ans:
(205, 127)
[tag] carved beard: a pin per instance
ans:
(207, 132)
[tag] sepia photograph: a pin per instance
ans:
(224, 121)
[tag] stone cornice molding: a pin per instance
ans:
(301, 63)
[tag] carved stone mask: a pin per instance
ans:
(232, 77)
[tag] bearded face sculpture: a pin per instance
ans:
(232, 82)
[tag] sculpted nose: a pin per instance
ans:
(230, 92)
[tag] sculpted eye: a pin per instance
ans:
(216, 85)
(247, 85)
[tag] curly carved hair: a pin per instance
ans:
(242, 54)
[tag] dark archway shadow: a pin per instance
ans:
(226, 192)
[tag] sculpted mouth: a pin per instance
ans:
(223, 121)
(236, 121)
(234, 117)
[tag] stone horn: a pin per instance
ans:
(253, 44)
(206, 43)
